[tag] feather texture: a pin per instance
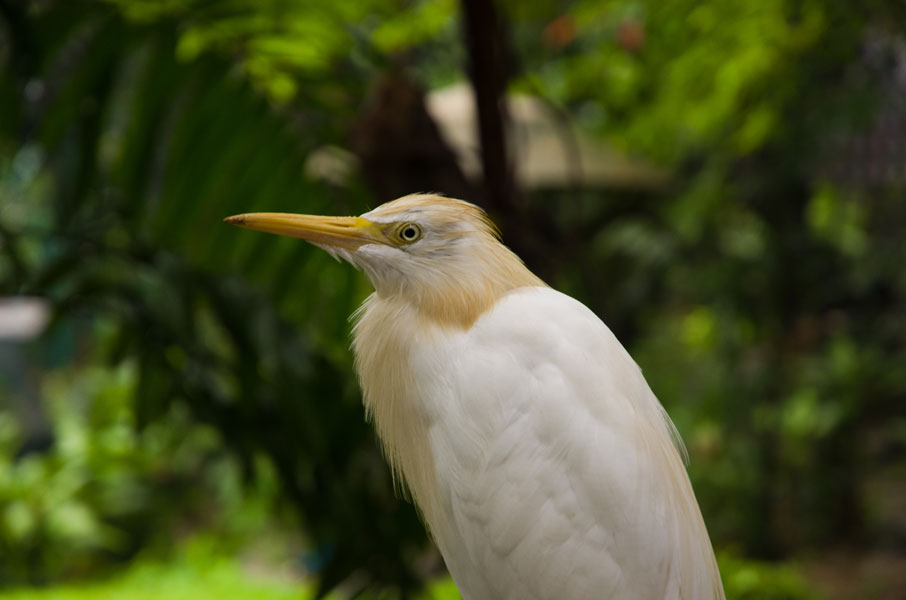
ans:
(545, 466)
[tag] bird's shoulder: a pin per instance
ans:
(543, 328)
(541, 310)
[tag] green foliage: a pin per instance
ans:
(198, 574)
(685, 78)
(754, 580)
(146, 153)
(106, 489)
(283, 45)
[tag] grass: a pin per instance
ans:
(197, 573)
(221, 579)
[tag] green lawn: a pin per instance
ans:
(192, 578)
(199, 574)
(220, 579)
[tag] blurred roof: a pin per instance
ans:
(547, 152)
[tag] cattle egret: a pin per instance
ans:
(542, 463)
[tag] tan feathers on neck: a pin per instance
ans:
(385, 329)
(459, 302)
(382, 343)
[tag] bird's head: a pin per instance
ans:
(440, 254)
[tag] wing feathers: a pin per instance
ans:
(559, 474)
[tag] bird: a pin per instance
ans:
(541, 462)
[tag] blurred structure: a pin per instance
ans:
(22, 319)
(547, 152)
(876, 155)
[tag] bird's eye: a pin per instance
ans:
(410, 232)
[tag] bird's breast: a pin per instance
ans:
(536, 451)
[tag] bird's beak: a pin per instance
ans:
(340, 232)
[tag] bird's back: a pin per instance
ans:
(553, 469)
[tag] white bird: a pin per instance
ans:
(542, 463)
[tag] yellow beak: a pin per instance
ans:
(341, 232)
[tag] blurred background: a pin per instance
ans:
(722, 182)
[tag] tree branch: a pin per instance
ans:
(487, 70)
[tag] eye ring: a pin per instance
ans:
(410, 232)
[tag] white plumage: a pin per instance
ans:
(544, 466)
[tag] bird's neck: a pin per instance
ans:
(389, 329)
(457, 294)
(384, 338)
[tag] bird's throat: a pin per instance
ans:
(383, 340)
(460, 298)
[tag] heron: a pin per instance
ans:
(541, 462)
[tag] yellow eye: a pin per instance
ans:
(410, 232)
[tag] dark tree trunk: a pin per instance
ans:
(487, 68)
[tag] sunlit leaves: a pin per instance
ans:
(697, 73)
(279, 44)
(415, 25)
